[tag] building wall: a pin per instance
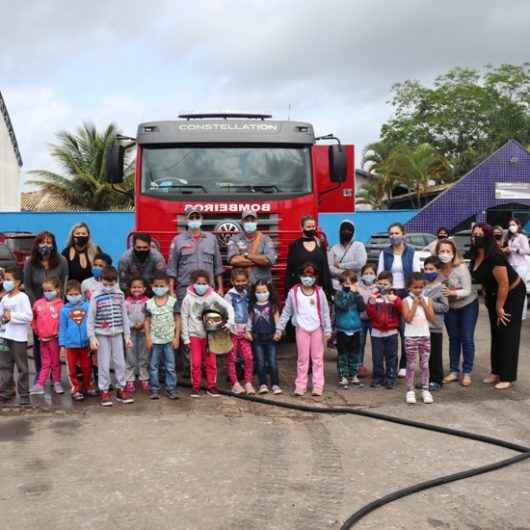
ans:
(9, 172)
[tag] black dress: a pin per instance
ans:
(75, 271)
(505, 340)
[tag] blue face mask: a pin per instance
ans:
(430, 276)
(50, 295)
(307, 281)
(160, 291)
(250, 226)
(368, 279)
(107, 289)
(74, 298)
(396, 240)
(9, 285)
(96, 271)
(194, 224)
(200, 288)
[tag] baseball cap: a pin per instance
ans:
(249, 213)
(192, 209)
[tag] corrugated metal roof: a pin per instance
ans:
(10, 130)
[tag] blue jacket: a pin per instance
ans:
(348, 309)
(73, 325)
(407, 260)
(240, 304)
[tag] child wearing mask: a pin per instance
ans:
(238, 298)
(384, 310)
(365, 287)
(89, 285)
(46, 313)
(308, 308)
(200, 296)
(108, 327)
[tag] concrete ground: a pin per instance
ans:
(229, 464)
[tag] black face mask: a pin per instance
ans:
(498, 237)
(478, 241)
(310, 234)
(346, 236)
(141, 255)
(80, 241)
(441, 237)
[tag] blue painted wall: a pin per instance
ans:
(109, 229)
(366, 222)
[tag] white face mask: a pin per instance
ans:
(446, 257)
(513, 229)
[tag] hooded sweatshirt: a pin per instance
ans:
(46, 318)
(192, 309)
(107, 314)
(350, 256)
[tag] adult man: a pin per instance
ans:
(347, 254)
(252, 250)
(193, 250)
(141, 260)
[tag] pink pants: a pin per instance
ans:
(50, 361)
(310, 344)
(199, 353)
(240, 344)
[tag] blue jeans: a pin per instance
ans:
(266, 362)
(460, 324)
(166, 352)
(366, 329)
(385, 359)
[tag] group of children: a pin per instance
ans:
(97, 325)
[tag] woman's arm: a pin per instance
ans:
(500, 273)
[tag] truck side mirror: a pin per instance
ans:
(114, 163)
(337, 163)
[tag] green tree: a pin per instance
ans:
(375, 156)
(372, 194)
(83, 185)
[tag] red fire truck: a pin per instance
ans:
(225, 163)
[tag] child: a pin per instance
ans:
(200, 296)
(108, 325)
(238, 298)
(348, 306)
(384, 310)
(73, 340)
(46, 314)
(16, 315)
(440, 305)
(365, 287)
(264, 318)
(137, 357)
(94, 282)
(308, 307)
(162, 330)
(417, 312)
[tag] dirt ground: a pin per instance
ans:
(229, 464)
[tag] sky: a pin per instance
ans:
(331, 63)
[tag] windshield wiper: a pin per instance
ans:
(268, 188)
(189, 187)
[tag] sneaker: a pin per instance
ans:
(92, 392)
(298, 392)
(466, 380)
(276, 390)
(123, 396)
(451, 378)
(427, 397)
(195, 394)
(213, 392)
(249, 389)
(343, 382)
(491, 379)
(402, 373)
(130, 387)
(154, 394)
(37, 390)
(237, 388)
(171, 393)
(263, 389)
(355, 380)
(58, 388)
(362, 371)
(433, 386)
(77, 396)
(106, 399)
(411, 397)
(144, 385)
(317, 392)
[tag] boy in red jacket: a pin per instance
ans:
(384, 310)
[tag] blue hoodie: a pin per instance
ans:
(348, 309)
(73, 325)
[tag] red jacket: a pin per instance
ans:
(46, 317)
(385, 315)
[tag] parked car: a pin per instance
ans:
(7, 258)
(380, 240)
(20, 244)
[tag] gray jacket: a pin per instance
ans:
(34, 276)
(459, 279)
(129, 267)
(440, 305)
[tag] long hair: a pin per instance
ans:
(273, 296)
(457, 258)
(490, 243)
(91, 247)
(36, 258)
(519, 226)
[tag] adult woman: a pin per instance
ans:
(498, 235)
(306, 249)
(461, 319)
(80, 252)
(517, 248)
(401, 260)
(504, 294)
(44, 262)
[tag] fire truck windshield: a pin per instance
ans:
(225, 170)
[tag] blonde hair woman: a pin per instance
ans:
(80, 252)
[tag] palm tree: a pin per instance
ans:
(372, 194)
(375, 156)
(83, 186)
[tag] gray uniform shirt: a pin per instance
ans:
(240, 243)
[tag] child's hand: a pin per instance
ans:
(248, 335)
(149, 342)
(94, 344)
(94, 358)
(175, 343)
(7, 315)
(128, 343)
(326, 339)
(62, 353)
(277, 336)
(139, 326)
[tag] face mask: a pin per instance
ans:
(396, 240)
(310, 234)
(498, 237)
(96, 271)
(441, 237)
(513, 229)
(200, 288)
(383, 289)
(194, 224)
(368, 279)
(346, 237)
(262, 297)
(241, 287)
(45, 250)
(50, 295)
(446, 257)
(74, 298)
(477, 241)
(9, 285)
(141, 255)
(307, 281)
(430, 276)
(160, 291)
(250, 227)
(80, 241)
(107, 289)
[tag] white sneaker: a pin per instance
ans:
(237, 389)
(249, 389)
(411, 397)
(263, 389)
(355, 380)
(343, 382)
(427, 397)
(37, 390)
(276, 390)
(402, 372)
(58, 388)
